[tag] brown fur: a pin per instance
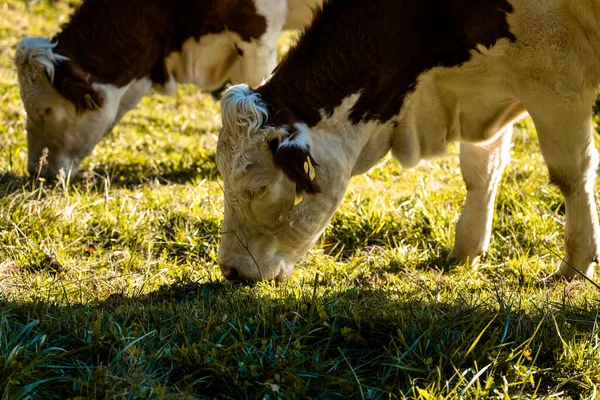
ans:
(74, 84)
(291, 160)
(341, 54)
(117, 41)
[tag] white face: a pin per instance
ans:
(57, 131)
(265, 230)
(68, 136)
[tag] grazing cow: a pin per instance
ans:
(410, 76)
(77, 86)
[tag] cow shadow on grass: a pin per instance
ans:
(130, 175)
(224, 340)
(347, 238)
(11, 183)
(122, 176)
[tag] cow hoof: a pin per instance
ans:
(456, 258)
(568, 272)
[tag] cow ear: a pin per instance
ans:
(292, 155)
(243, 111)
(75, 85)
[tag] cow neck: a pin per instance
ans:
(378, 50)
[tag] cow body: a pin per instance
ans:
(78, 85)
(410, 77)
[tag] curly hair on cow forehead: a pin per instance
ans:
(244, 112)
(38, 50)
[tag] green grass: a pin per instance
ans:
(109, 287)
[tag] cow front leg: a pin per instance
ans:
(566, 140)
(481, 166)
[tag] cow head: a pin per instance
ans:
(67, 114)
(280, 190)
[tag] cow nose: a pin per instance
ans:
(230, 273)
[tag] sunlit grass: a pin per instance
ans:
(109, 287)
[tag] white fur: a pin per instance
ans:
(38, 50)
(243, 109)
(482, 166)
(121, 100)
(260, 55)
(209, 61)
(206, 62)
(84, 131)
(301, 139)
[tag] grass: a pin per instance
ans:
(109, 287)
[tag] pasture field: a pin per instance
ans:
(109, 287)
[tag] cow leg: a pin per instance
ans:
(566, 140)
(481, 166)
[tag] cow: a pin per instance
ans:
(367, 77)
(78, 85)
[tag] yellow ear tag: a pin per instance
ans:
(298, 199)
(90, 103)
(309, 169)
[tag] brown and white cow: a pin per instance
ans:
(410, 76)
(78, 85)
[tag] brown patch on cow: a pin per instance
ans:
(118, 41)
(378, 48)
(292, 160)
(75, 85)
(240, 17)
